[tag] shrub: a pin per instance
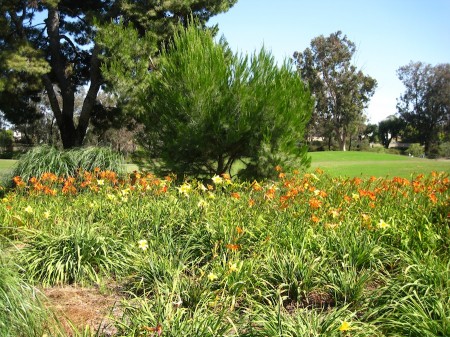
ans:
(444, 150)
(415, 150)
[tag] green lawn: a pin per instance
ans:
(346, 164)
(6, 166)
(374, 164)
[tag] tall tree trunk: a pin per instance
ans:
(342, 138)
(71, 135)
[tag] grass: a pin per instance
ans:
(336, 163)
(353, 164)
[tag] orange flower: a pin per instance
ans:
(315, 203)
(235, 195)
(284, 199)
(157, 329)
(18, 181)
(232, 246)
(314, 219)
(49, 176)
(323, 194)
(251, 202)
(278, 168)
(433, 198)
(49, 191)
(281, 175)
(68, 188)
(239, 230)
(357, 181)
(270, 194)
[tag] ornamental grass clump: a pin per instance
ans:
(66, 163)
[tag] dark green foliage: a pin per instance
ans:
(61, 50)
(425, 104)
(209, 109)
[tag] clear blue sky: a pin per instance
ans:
(388, 34)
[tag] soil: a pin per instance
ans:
(81, 307)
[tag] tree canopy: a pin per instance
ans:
(341, 91)
(207, 108)
(425, 104)
(390, 128)
(51, 45)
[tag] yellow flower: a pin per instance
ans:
(355, 196)
(232, 266)
(100, 182)
(201, 187)
(202, 204)
(334, 213)
(143, 244)
(314, 176)
(47, 214)
(217, 180)
(383, 224)
(28, 209)
(111, 196)
(331, 225)
(5, 199)
(184, 189)
(212, 277)
(345, 326)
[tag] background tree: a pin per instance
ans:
(208, 108)
(60, 54)
(390, 128)
(371, 133)
(425, 104)
(341, 91)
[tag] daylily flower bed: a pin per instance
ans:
(305, 255)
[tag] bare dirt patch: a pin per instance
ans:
(84, 307)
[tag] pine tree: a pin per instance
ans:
(51, 45)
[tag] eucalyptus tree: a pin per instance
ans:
(51, 45)
(425, 104)
(341, 91)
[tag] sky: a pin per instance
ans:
(388, 34)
